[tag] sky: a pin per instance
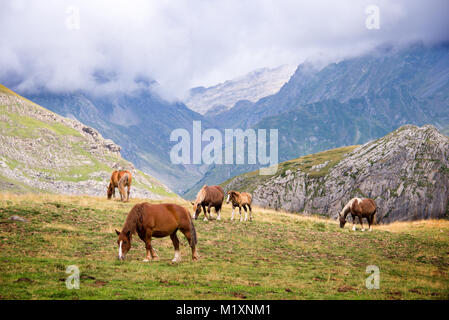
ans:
(112, 46)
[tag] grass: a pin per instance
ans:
(276, 256)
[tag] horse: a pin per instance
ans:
(157, 220)
(240, 200)
(210, 196)
(120, 179)
(362, 208)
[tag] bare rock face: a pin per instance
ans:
(405, 172)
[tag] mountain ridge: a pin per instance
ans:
(406, 172)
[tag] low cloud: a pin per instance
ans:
(118, 46)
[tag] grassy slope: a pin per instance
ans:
(277, 256)
(27, 127)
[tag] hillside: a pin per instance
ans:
(43, 152)
(406, 172)
(140, 122)
(276, 256)
(252, 87)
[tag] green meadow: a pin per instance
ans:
(278, 255)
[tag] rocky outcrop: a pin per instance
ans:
(405, 172)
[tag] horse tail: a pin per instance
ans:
(124, 180)
(193, 239)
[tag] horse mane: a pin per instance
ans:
(134, 219)
(201, 194)
(346, 208)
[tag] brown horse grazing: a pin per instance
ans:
(361, 208)
(120, 179)
(157, 220)
(240, 200)
(212, 196)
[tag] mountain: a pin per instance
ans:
(406, 173)
(140, 122)
(345, 103)
(252, 86)
(419, 72)
(41, 151)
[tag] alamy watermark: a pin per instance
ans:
(73, 280)
(72, 21)
(372, 21)
(373, 281)
(219, 152)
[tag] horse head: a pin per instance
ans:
(124, 243)
(342, 220)
(196, 209)
(229, 196)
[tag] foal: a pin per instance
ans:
(240, 200)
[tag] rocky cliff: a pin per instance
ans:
(406, 173)
(41, 151)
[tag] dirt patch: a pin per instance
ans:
(239, 295)
(345, 288)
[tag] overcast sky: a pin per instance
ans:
(182, 44)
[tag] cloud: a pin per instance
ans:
(185, 43)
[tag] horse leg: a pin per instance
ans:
(250, 213)
(240, 211)
(208, 211)
(217, 211)
(127, 199)
(370, 222)
(151, 255)
(354, 228)
(113, 192)
(205, 212)
(246, 212)
(232, 216)
(175, 240)
(361, 222)
(188, 236)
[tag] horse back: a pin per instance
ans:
(163, 219)
(213, 195)
(364, 207)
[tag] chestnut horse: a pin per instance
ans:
(240, 200)
(361, 208)
(120, 179)
(157, 220)
(212, 196)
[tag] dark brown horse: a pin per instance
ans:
(212, 196)
(240, 200)
(120, 179)
(157, 220)
(361, 208)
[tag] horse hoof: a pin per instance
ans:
(363, 230)
(205, 219)
(145, 260)
(156, 259)
(218, 218)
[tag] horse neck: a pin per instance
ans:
(131, 223)
(347, 208)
